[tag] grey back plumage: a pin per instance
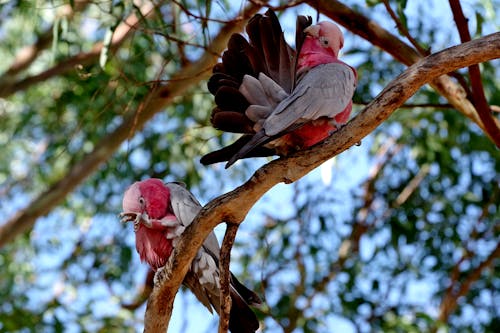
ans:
(324, 91)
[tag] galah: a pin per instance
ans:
(160, 213)
(280, 101)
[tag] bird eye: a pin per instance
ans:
(323, 40)
(141, 201)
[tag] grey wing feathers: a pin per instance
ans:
(183, 203)
(324, 91)
(185, 208)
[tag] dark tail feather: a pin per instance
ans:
(266, 51)
(302, 23)
(248, 295)
(241, 318)
(257, 140)
(227, 152)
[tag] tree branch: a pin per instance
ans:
(232, 207)
(478, 98)
(384, 155)
(378, 36)
(157, 99)
(28, 54)
(403, 29)
(121, 33)
(449, 302)
(225, 276)
(143, 292)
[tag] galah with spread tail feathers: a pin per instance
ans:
(160, 213)
(280, 101)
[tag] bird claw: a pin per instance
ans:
(137, 218)
(160, 276)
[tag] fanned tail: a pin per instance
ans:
(265, 52)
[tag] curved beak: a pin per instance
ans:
(312, 30)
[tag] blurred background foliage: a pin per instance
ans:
(399, 234)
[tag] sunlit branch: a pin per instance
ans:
(414, 105)
(25, 57)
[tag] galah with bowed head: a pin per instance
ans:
(280, 101)
(160, 213)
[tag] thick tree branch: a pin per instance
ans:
(158, 98)
(121, 33)
(378, 36)
(234, 206)
(478, 98)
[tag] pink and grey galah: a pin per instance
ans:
(160, 213)
(281, 100)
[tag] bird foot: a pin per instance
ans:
(126, 217)
(161, 275)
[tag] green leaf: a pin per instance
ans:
(103, 57)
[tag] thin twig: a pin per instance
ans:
(225, 276)
(404, 31)
(414, 105)
(449, 302)
(384, 155)
(198, 17)
(288, 4)
(412, 185)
